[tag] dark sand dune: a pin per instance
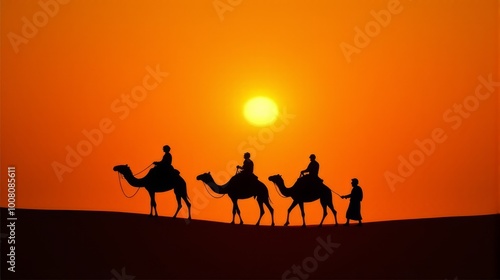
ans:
(97, 245)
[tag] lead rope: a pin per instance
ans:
(335, 193)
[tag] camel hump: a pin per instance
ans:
(162, 174)
(242, 177)
(308, 179)
(308, 182)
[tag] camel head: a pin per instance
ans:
(205, 177)
(122, 168)
(277, 179)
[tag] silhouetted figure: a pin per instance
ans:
(312, 169)
(164, 167)
(245, 172)
(301, 193)
(310, 174)
(247, 167)
(354, 209)
(166, 161)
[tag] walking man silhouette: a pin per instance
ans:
(354, 209)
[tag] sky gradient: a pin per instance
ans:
(402, 95)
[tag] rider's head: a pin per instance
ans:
(246, 155)
(354, 182)
(312, 157)
(166, 148)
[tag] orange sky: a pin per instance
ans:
(66, 66)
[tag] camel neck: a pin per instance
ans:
(132, 180)
(216, 187)
(283, 189)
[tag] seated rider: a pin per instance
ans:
(166, 162)
(247, 168)
(312, 169)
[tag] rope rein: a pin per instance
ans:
(121, 187)
(206, 187)
(143, 169)
(120, 182)
(278, 191)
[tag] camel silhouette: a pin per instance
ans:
(241, 189)
(153, 185)
(304, 191)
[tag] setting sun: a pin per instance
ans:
(260, 111)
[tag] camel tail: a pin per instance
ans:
(270, 201)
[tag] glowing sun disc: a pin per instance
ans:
(260, 111)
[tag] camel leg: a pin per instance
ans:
(181, 193)
(236, 209)
(330, 205)
(150, 204)
(294, 203)
(188, 204)
(239, 212)
(261, 207)
(179, 205)
(234, 212)
(324, 214)
(153, 204)
(301, 205)
(270, 210)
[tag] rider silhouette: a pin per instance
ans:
(166, 161)
(247, 168)
(165, 165)
(312, 169)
